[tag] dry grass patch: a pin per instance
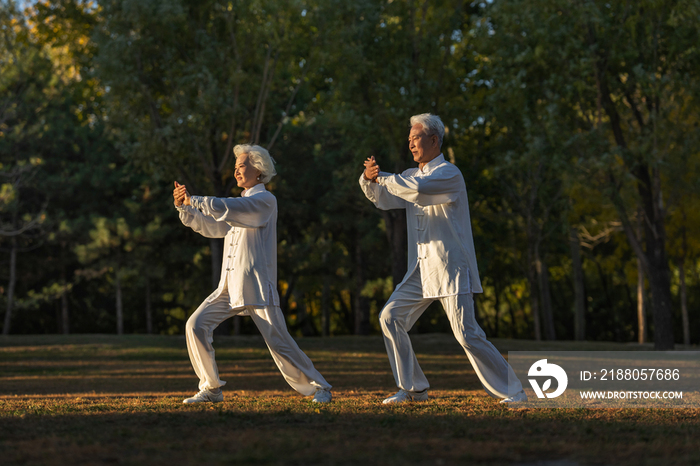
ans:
(103, 399)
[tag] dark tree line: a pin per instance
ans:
(575, 125)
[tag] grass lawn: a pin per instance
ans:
(103, 399)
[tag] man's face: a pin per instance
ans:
(246, 175)
(423, 147)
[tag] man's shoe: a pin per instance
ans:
(404, 396)
(205, 396)
(518, 397)
(322, 396)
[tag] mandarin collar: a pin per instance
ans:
(258, 188)
(430, 166)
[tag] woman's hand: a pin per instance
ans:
(180, 195)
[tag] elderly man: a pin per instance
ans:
(441, 264)
(248, 283)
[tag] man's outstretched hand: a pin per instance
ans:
(180, 195)
(371, 169)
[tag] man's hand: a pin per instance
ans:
(371, 169)
(180, 195)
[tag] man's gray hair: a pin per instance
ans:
(259, 158)
(432, 124)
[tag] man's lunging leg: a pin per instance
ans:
(493, 370)
(402, 310)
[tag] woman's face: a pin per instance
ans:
(246, 175)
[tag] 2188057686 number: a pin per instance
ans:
(640, 374)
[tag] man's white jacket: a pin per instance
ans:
(248, 225)
(440, 241)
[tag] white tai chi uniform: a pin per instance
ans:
(248, 225)
(441, 265)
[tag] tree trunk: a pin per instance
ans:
(396, 233)
(345, 308)
(684, 293)
(545, 296)
(65, 317)
(303, 318)
(684, 304)
(11, 286)
(654, 259)
(659, 272)
(120, 310)
(641, 300)
(361, 303)
(661, 310)
(149, 314)
(497, 307)
(395, 223)
(325, 307)
(284, 297)
(532, 282)
(579, 290)
(641, 306)
(511, 311)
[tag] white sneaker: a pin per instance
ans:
(404, 396)
(322, 396)
(520, 396)
(205, 396)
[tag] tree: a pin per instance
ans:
(25, 80)
(619, 77)
(394, 60)
(187, 80)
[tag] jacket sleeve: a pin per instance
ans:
(443, 186)
(244, 212)
(379, 195)
(205, 226)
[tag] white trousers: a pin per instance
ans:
(404, 308)
(296, 367)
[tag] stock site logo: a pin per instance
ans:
(543, 369)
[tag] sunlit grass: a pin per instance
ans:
(103, 399)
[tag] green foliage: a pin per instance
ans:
(600, 93)
(103, 104)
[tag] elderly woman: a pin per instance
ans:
(248, 225)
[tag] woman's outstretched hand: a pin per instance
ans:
(180, 195)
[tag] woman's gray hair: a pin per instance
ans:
(432, 124)
(259, 158)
